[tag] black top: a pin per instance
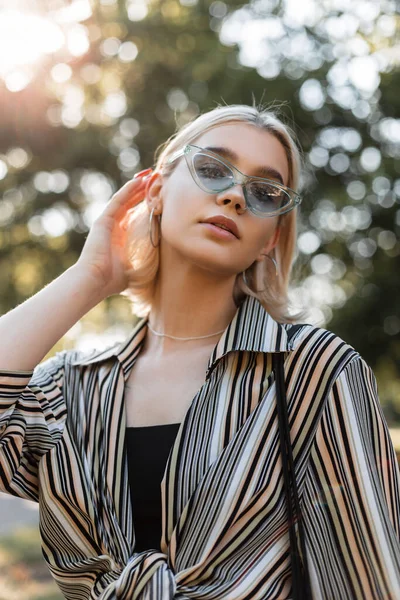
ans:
(148, 449)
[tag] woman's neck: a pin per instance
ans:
(191, 312)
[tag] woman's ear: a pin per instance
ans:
(275, 239)
(153, 192)
(270, 245)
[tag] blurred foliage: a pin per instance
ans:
(90, 114)
(24, 574)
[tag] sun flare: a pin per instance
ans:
(26, 38)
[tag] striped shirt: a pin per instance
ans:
(224, 521)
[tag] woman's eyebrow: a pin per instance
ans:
(229, 154)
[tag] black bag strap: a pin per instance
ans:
(300, 573)
(293, 329)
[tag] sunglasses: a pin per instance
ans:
(264, 198)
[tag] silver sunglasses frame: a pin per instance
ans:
(241, 179)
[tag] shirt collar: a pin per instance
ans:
(251, 329)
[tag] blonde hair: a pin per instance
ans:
(269, 288)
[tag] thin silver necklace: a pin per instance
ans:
(200, 337)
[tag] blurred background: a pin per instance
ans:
(90, 88)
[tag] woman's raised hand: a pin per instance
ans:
(103, 255)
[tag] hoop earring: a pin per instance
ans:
(150, 228)
(276, 271)
(274, 262)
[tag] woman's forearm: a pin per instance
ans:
(29, 331)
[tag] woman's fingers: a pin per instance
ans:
(143, 173)
(132, 192)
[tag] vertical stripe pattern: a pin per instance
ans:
(224, 523)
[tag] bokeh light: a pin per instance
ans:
(26, 38)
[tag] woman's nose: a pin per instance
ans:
(234, 195)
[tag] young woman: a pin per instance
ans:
(166, 466)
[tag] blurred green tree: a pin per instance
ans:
(80, 121)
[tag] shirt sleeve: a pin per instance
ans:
(350, 504)
(32, 417)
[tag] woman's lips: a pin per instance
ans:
(222, 233)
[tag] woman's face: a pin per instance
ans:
(184, 206)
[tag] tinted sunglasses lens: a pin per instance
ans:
(213, 174)
(265, 198)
